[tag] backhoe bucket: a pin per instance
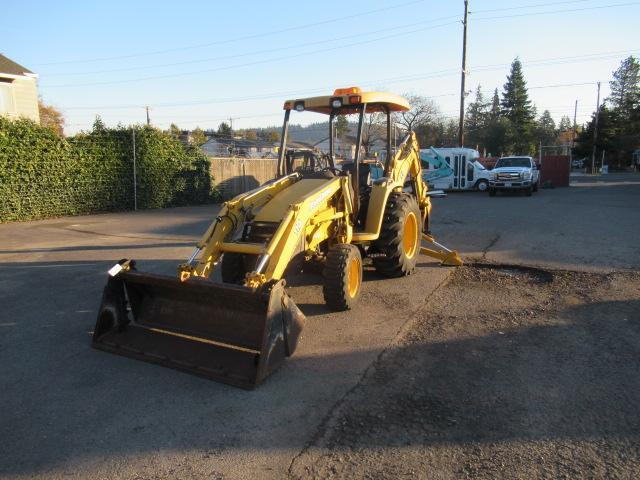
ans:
(228, 333)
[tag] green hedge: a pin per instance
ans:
(44, 175)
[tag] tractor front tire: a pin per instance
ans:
(342, 277)
(400, 236)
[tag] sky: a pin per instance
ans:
(199, 63)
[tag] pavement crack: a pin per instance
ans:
(491, 244)
(410, 320)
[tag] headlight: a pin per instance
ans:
(336, 103)
(526, 175)
(493, 176)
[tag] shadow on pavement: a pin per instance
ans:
(89, 248)
(64, 403)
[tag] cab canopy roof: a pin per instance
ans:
(348, 100)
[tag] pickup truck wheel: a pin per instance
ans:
(535, 187)
(528, 191)
(492, 192)
(342, 277)
(482, 185)
(400, 236)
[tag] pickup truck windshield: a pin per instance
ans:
(513, 162)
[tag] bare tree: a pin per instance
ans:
(372, 130)
(423, 111)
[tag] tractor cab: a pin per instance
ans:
(344, 101)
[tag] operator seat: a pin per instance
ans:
(364, 184)
(365, 174)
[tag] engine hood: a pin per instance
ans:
(511, 170)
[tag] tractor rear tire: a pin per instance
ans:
(342, 277)
(400, 236)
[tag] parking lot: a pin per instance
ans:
(72, 412)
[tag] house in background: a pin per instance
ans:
(239, 147)
(18, 91)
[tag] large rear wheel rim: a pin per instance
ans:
(355, 272)
(410, 235)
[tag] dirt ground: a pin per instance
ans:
(509, 373)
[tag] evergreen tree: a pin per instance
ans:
(498, 135)
(546, 129)
(565, 124)
(625, 87)
(342, 126)
(606, 137)
(476, 120)
(517, 108)
(495, 111)
(98, 125)
(224, 130)
(625, 111)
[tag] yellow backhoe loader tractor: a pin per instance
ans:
(240, 330)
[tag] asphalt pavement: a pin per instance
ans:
(72, 412)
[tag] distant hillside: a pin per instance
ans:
(309, 134)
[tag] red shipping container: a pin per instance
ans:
(555, 169)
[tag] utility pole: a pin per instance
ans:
(148, 119)
(464, 74)
(595, 133)
(135, 173)
(573, 135)
(231, 125)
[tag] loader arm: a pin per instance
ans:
(230, 219)
(304, 222)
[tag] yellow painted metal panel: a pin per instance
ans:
(275, 210)
(322, 104)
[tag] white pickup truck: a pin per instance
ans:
(514, 173)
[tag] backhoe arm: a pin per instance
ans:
(406, 162)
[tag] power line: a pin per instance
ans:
(252, 53)
(551, 12)
(257, 62)
(238, 39)
(535, 5)
(452, 71)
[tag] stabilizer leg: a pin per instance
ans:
(449, 258)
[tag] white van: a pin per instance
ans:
(453, 169)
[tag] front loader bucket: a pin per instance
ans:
(228, 333)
